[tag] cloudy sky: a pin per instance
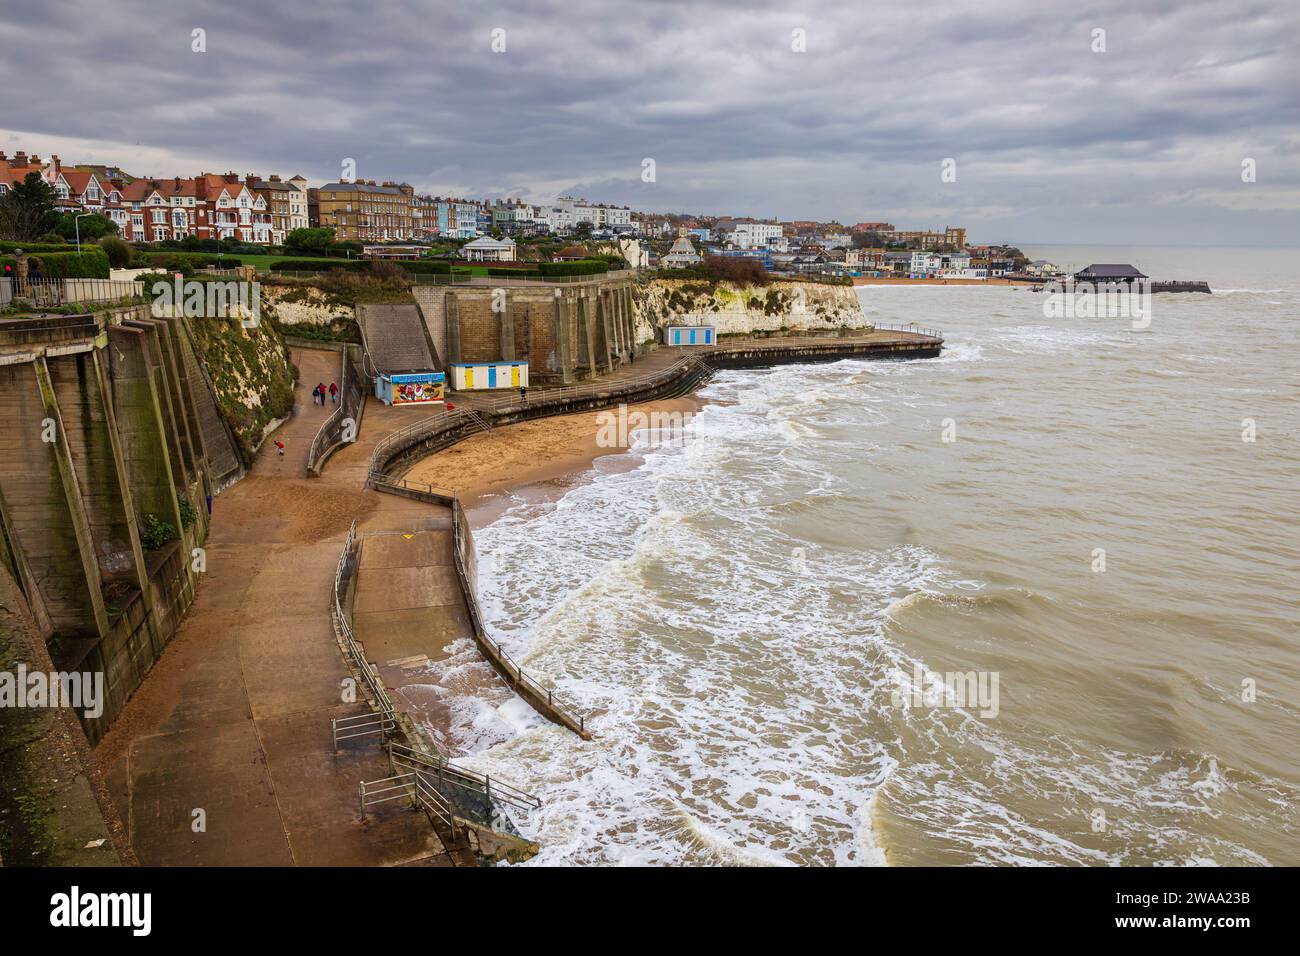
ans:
(851, 118)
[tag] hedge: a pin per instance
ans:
(310, 265)
(583, 267)
(435, 266)
(34, 247)
(189, 261)
(90, 263)
(514, 273)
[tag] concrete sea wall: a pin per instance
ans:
(109, 429)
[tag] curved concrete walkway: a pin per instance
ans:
(225, 755)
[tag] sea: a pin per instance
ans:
(1034, 601)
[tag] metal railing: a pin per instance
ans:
(448, 774)
(382, 703)
(467, 566)
(909, 327)
(47, 293)
(436, 424)
(412, 785)
(467, 570)
(330, 434)
(362, 725)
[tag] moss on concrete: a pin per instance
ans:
(252, 375)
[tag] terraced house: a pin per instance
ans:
(367, 211)
(14, 169)
(286, 203)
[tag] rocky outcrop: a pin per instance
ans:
(309, 312)
(251, 375)
(778, 307)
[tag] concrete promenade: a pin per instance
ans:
(234, 720)
(225, 755)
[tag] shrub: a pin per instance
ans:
(309, 265)
(188, 262)
(582, 267)
(117, 250)
(9, 245)
(435, 266)
(90, 263)
(188, 514)
(156, 533)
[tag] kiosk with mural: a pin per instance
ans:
(411, 388)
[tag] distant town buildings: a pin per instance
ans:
(681, 255)
(487, 249)
(367, 211)
(265, 210)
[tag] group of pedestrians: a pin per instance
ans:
(320, 391)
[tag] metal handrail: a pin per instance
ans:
(349, 400)
(433, 801)
(369, 674)
(435, 424)
(403, 756)
(909, 327)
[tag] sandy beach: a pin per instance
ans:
(552, 451)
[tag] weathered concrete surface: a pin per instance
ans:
(234, 720)
(54, 809)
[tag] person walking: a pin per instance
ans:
(315, 395)
(321, 388)
(334, 393)
(523, 393)
(279, 447)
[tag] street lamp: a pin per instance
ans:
(76, 225)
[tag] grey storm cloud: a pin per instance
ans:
(1052, 141)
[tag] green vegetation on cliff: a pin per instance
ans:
(251, 373)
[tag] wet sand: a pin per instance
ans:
(537, 459)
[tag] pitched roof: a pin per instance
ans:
(487, 242)
(1110, 270)
(363, 188)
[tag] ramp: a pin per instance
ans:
(395, 339)
(224, 464)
